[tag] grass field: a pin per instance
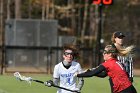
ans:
(8, 84)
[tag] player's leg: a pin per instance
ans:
(111, 84)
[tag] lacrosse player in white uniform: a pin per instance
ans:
(64, 72)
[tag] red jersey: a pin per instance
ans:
(118, 75)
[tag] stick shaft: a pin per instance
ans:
(55, 86)
(65, 88)
(39, 81)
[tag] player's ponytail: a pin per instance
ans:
(125, 51)
(119, 50)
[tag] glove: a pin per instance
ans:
(75, 74)
(88, 70)
(131, 79)
(77, 90)
(49, 83)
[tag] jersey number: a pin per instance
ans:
(120, 65)
(68, 80)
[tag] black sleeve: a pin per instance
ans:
(102, 74)
(94, 72)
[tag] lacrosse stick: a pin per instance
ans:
(29, 80)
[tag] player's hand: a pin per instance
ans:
(131, 79)
(48, 83)
(77, 90)
(75, 74)
(87, 70)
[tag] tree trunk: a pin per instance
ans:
(73, 25)
(47, 8)
(17, 9)
(8, 9)
(29, 9)
(84, 21)
(2, 52)
(43, 9)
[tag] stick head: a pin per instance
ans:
(22, 78)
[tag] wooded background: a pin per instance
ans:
(92, 25)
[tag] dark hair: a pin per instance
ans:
(74, 48)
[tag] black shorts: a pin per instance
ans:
(130, 89)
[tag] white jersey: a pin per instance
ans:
(67, 80)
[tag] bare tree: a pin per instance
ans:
(8, 9)
(17, 9)
(73, 23)
(1, 37)
(47, 8)
(84, 21)
(43, 9)
(29, 9)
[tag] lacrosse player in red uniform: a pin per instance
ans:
(114, 70)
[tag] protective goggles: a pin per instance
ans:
(67, 53)
(110, 51)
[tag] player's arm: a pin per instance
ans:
(56, 78)
(80, 83)
(80, 80)
(56, 81)
(94, 72)
(130, 68)
(102, 74)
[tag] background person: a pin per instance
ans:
(64, 71)
(126, 61)
(114, 69)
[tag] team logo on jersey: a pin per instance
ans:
(67, 75)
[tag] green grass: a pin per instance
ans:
(8, 84)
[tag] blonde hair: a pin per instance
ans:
(112, 50)
(113, 38)
(125, 51)
(119, 51)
